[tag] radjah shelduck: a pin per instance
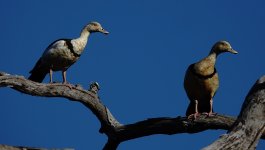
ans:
(63, 53)
(201, 81)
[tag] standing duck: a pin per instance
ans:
(63, 53)
(201, 81)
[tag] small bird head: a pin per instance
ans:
(223, 46)
(94, 87)
(95, 27)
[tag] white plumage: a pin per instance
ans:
(63, 53)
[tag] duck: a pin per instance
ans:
(63, 53)
(201, 81)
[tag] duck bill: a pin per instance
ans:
(233, 51)
(104, 32)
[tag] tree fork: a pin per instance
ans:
(118, 132)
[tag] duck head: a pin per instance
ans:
(221, 47)
(95, 27)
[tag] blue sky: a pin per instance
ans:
(140, 65)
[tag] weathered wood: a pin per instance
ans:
(7, 147)
(116, 131)
(250, 124)
(73, 93)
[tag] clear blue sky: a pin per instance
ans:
(140, 65)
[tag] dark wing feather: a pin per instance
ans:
(39, 72)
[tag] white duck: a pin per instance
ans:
(63, 53)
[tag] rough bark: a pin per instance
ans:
(116, 131)
(250, 124)
(6, 147)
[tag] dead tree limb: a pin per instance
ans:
(7, 147)
(116, 131)
(249, 125)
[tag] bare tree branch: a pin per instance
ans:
(7, 147)
(116, 131)
(250, 124)
(73, 93)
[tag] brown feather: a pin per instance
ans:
(201, 88)
(201, 80)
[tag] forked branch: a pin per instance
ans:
(116, 131)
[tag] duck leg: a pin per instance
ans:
(64, 76)
(51, 75)
(196, 114)
(211, 113)
(64, 80)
